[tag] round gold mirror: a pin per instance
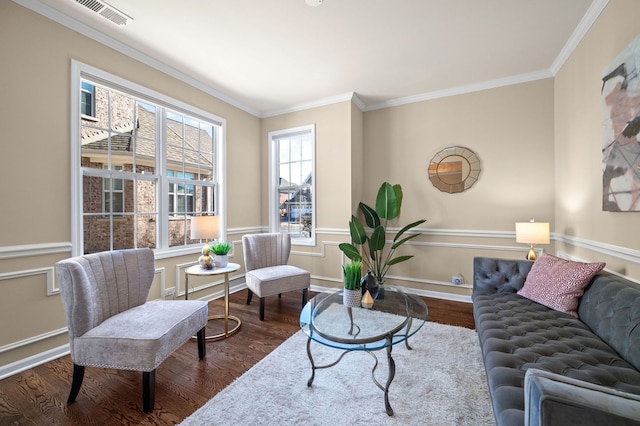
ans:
(454, 169)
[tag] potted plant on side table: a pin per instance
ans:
(221, 250)
(351, 294)
(371, 248)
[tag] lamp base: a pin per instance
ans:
(532, 254)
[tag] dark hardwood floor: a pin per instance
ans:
(183, 383)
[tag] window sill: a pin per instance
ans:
(89, 118)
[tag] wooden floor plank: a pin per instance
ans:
(183, 383)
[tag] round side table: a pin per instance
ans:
(197, 271)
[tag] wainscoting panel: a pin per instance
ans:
(31, 301)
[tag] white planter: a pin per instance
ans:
(351, 298)
(221, 260)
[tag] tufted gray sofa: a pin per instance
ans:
(548, 367)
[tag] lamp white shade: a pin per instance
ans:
(532, 232)
(204, 227)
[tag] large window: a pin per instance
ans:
(292, 169)
(143, 165)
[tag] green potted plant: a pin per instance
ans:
(221, 250)
(351, 294)
(370, 245)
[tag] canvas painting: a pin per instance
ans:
(621, 128)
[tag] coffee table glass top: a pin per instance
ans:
(395, 314)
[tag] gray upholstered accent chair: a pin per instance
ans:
(267, 272)
(111, 324)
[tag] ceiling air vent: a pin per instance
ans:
(105, 10)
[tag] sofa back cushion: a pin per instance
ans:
(610, 306)
(491, 275)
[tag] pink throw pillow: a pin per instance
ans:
(559, 283)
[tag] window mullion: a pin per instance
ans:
(162, 195)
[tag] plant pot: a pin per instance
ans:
(351, 298)
(221, 260)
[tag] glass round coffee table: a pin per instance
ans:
(394, 317)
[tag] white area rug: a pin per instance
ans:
(440, 382)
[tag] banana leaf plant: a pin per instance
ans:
(370, 245)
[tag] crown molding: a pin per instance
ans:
(92, 33)
(596, 8)
(581, 30)
(461, 90)
(356, 100)
(351, 96)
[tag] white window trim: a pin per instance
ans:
(80, 70)
(274, 172)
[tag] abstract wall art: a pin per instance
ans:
(621, 129)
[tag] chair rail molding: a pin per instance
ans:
(10, 252)
(612, 250)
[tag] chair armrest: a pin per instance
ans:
(553, 399)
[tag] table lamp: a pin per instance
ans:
(532, 233)
(205, 228)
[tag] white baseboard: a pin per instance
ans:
(33, 361)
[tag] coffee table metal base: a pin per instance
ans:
(390, 361)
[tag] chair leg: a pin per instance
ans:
(78, 375)
(249, 295)
(262, 309)
(148, 390)
(202, 347)
(305, 296)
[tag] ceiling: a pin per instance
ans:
(273, 56)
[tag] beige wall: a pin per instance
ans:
(357, 156)
(333, 159)
(511, 131)
(538, 142)
(35, 171)
(588, 232)
(333, 129)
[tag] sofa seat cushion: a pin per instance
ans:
(140, 338)
(277, 279)
(517, 333)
